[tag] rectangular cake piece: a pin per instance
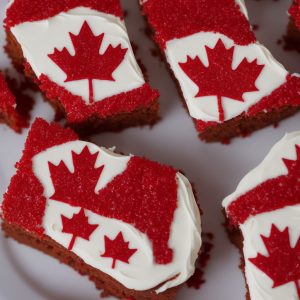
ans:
(80, 56)
(130, 224)
(230, 83)
(263, 221)
(14, 111)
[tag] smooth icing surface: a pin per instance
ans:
(39, 39)
(206, 108)
(142, 273)
(271, 167)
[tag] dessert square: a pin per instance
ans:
(230, 83)
(80, 56)
(131, 225)
(263, 221)
(14, 111)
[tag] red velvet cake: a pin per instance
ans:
(10, 113)
(292, 39)
(79, 54)
(231, 83)
(131, 225)
(264, 218)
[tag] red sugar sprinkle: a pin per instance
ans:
(273, 194)
(172, 19)
(78, 111)
(24, 203)
(35, 10)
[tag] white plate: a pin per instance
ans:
(215, 169)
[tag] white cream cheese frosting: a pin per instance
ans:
(205, 108)
(38, 39)
(261, 286)
(142, 273)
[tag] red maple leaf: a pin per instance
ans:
(117, 249)
(81, 183)
(219, 79)
(78, 226)
(88, 63)
(283, 263)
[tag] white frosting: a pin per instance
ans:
(271, 167)
(272, 76)
(260, 285)
(142, 273)
(40, 38)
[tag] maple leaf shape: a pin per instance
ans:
(88, 63)
(78, 226)
(283, 262)
(117, 249)
(219, 79)
(77, 185)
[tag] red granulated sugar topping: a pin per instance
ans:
(294, 11)
(173, 19)
(22, 11)
(285, 95)
(144, 195)
(24, 203)
(282, 262)
(117, 249)
(78, 226)
(78, 111)
(273, 194)
(219, 79)
(97, 66)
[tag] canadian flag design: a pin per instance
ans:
(266, 206)
(120, 214)
(81, 54)
(222, 70)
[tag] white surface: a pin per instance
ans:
(215, 169)
(142, 273)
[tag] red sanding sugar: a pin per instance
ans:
(35, 10)
(77, 110)
(172, 19)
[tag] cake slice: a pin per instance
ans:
(79, 54)
(230, 83)
(264, 218)
(292, 39)
(131, 225)
(14, 111)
